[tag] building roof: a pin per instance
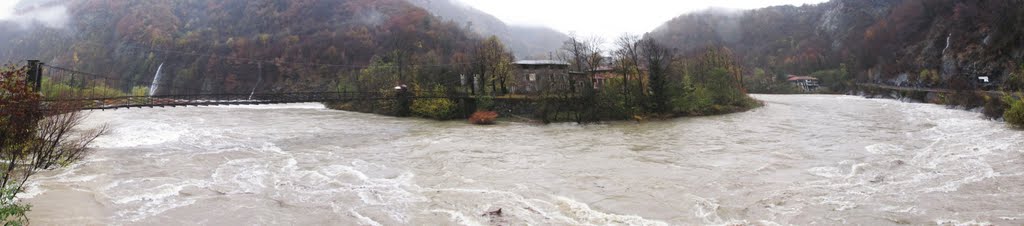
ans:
(793, 78)
(604, 69)
(540, 62)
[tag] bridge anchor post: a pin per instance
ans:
(35, 75)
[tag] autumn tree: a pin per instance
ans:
(303, 45)
(494, 65)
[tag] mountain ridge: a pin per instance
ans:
(525, 41)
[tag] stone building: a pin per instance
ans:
(537, 76)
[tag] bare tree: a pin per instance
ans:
(628, 61)
(585, 57)
(60, 142)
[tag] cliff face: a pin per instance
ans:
(878, 40)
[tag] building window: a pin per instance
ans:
(533, 77)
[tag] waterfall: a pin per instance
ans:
(156, 80)
(260, 65)
(253, 91)
(948, 38)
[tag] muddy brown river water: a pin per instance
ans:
(805, 160)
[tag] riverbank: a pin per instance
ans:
(991, 104)
(530, 109)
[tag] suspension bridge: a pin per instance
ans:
(88, 91)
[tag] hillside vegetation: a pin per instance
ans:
(938, 43)
(238, 45)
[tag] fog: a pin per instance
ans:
(609, 19)
(52, 16)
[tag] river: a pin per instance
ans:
(803, 159)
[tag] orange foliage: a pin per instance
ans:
(483, 118)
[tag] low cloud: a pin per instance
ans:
(49, 16)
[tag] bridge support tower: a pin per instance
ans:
(35, 75)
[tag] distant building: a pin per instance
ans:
(534, 76)
(602, 75)
(807, 83)
(985, 83)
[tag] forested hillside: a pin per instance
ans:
(524, 41)
(238, 45)
(941, 43)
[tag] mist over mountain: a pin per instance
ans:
(235, 44)
(877, 39)
(49, 13)
(525, 41)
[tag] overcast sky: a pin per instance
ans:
(605, 18)
(608, 18)
(6, 6)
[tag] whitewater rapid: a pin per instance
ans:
(804, 159)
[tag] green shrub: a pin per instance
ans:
(53, 90)
(994, 107)
(102, 91)
(485, 103)
(835, 79)
(697, 102)
(611, 102)
(1016, 80)
(435, 108)
(12, 212)
(140, 91)
(1015, 115)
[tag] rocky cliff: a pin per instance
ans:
(878, 40)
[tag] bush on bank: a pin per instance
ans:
(12, 212)
(1015, 114)
(483, 118)
(434, 108)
